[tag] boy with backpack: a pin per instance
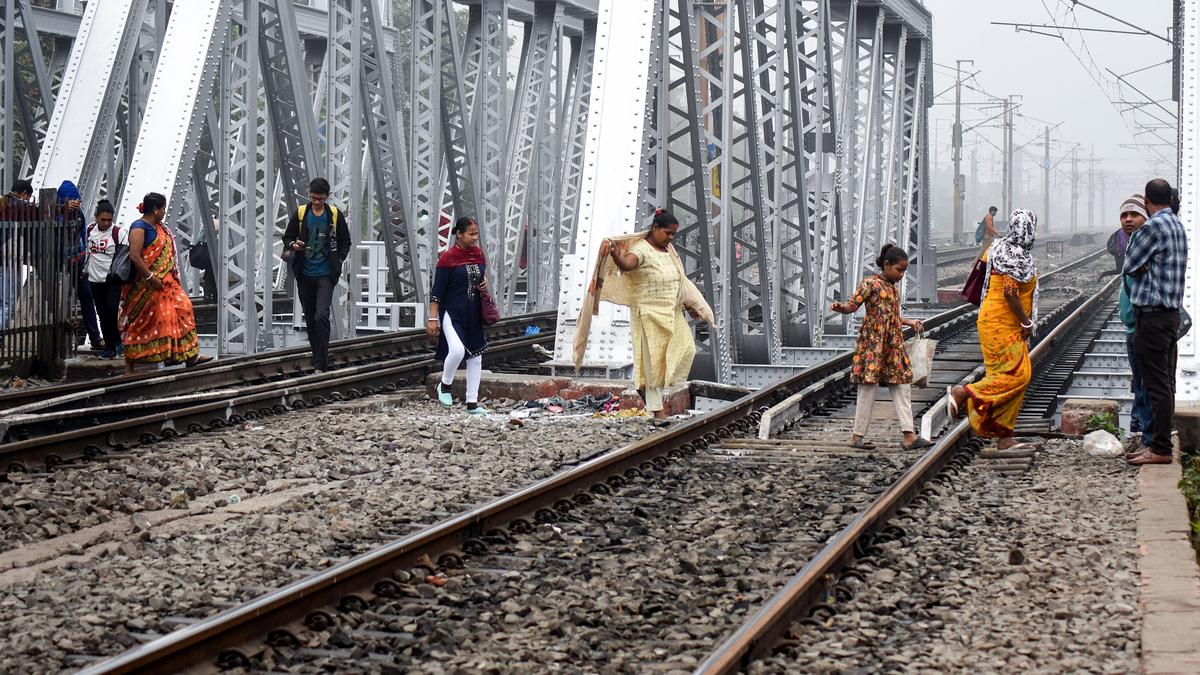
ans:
(315, 244)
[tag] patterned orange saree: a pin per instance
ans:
(158, 326)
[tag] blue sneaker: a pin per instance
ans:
(120, 353)
(444, 397)
(108, 354)
(476, 409)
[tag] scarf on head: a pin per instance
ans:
(1012, 254)
(456, 256)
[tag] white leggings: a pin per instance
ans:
(455, 356)
(901, 398)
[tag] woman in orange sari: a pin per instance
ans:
(156, 318)
(1006, 319)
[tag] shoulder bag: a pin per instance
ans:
(121, 270)
(972, 291)
(491, 313)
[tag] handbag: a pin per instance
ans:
(491, 313)
(198, 255)
(972, 291)
(121, 270)
(920, 353)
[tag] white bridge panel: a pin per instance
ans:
(608, 205)
(172, 108)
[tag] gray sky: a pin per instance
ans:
(1055, 86)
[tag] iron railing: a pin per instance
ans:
(38, 276)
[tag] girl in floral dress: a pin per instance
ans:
(879, 356)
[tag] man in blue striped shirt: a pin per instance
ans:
(1156, 261)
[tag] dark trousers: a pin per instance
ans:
(1157, 354)
(87, 304)
(316, 294)
(108, 300)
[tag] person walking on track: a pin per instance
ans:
(456, 313)
(1156, 262)
(316, 243)
(879, 355)
(644, 272)
(100, 241)
(986, 232)
(156, 318)
(1007, 316)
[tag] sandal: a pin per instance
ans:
(954, 411)
(863, 445)
(917, 444)
(1150, 458)
(197, 360)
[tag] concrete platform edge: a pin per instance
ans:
(1169, 596)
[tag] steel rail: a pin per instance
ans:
(238, 369)
(354, 582)
(247, 403)
(761, 632)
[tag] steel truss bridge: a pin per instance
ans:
(788, 136)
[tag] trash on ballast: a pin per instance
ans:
(435, 580)
(1100, 443)
(141, 522)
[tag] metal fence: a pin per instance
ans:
(38, 276)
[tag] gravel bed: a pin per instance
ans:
(648, 579)
(1033, 574)
(257, 457)
(355, 478)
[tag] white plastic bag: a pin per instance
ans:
(920, 353)
(1100, 443)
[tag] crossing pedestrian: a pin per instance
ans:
(156, 318)
(1156, 262)
(1133, 217)
(652, 283)
(879, 355)
(456, 313)
(70, 212)
(16, 205)
(100, 242)
(1006, 319)
(316, 243)
(985, 232)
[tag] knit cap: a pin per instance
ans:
(1135, 204)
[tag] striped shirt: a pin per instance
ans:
(1156, 261)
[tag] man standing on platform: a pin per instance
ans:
(1156, 262)
(318, 241)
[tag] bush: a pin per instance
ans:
(1106, 422)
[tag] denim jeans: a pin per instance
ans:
(1140, 418)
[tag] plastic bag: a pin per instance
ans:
(920, 354)
(1100, 443)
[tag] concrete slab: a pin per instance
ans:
(1169, 595)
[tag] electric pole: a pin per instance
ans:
(1046, 182)
(1074, 188)
(1092, 189)
(1007, 179)
(956, 143)
(974, 182)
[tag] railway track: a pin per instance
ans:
(604, 523)
(49, 426)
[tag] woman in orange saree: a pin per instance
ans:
(1006, 319)
(156, 318)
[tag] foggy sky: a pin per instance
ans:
(1055, 88)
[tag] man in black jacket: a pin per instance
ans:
(317, 242)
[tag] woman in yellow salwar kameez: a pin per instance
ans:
(1006, 319)
(649, 279)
